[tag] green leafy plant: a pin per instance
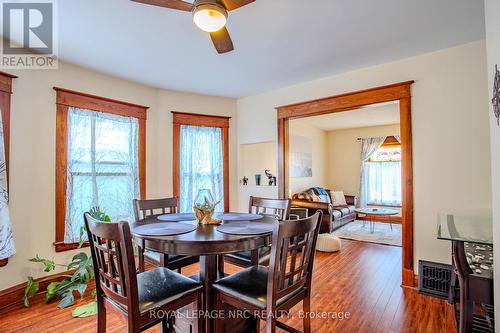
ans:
(96, 213)
(64, 290)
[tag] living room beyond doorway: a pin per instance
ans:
(349, 165)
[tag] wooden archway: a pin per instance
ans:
(399, 92)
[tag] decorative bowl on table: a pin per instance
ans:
(204, 207)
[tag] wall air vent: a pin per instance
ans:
(434, 278)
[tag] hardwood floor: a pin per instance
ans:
(363, 280)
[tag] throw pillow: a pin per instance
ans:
(338, 198)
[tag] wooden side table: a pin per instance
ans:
(298, 212)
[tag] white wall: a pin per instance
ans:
(32, 164)
(450, 130)
(185, 102)
(318, 151)
(493, 46)
(343, 155)
(255, 159)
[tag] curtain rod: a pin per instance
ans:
(388, 136)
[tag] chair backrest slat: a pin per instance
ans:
(114, 262)
(277, 207)
(145, 208)
(292, 256)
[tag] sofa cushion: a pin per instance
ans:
(338, 198)
(337, 215)
(343, 209)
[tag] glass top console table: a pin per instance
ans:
(472, 261)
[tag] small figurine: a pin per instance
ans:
(271, 179)
(245, 180)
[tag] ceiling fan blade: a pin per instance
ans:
(234, 4)
(172, 4)
(222, 41)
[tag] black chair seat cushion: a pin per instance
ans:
(264, 255)
(155, 256)
(250, 286)
(160, 286)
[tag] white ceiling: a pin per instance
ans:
(373, 115)
(277, 42)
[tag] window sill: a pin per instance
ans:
(383, 205)
(62, 247)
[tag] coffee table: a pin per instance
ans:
(371, 213)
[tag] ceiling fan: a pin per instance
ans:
(208, 15)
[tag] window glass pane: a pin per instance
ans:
(200, 164)
(386, 154)
(384, 183)
(102, 167)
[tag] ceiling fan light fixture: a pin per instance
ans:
(209, 17)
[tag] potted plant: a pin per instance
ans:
(83, 273)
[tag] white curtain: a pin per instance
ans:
(7, 248)
(368, 147)
(201, 165)
(103, 167)
(383, 181)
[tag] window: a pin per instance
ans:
(383, 176)
(6, 237)
(100, 161)
(201, 158)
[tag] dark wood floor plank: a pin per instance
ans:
(363, 279)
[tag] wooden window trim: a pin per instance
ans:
(193, 119)
(391, 142)
(64, 100)
(5, 97)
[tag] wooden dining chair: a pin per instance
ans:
(274, 207)
(263, 291)
(144, 298)
(151, 209)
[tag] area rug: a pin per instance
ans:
(382, 234)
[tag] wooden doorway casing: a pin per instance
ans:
(399, 92)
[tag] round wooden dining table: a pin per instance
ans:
(207, 243)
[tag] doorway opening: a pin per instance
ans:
(398, 93)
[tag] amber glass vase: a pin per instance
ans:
(204, 207)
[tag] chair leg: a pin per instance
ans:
(271, 324)
(199, 306)
(257, 325)
(141, 259)
(101, 315)
(165, 326)
(133, 325)
(218, 306)
(307, 310)
(220, 264)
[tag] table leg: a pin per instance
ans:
(254, 257)
(208, 275)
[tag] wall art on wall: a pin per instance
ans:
(300, 156)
